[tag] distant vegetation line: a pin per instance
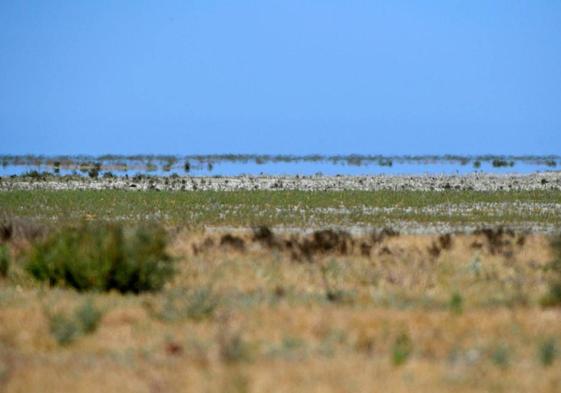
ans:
(350, 159)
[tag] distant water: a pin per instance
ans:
(302, 168)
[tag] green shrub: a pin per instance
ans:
(553, 296)
(66, 329)
(198, 304)
(401, 350)
(93, 173)
(63, 328)
(456, 303)
(88, 317)
(4, 261)
(500, 356)
(102, 258)
(234, 349)
(547, 352)
(499, 162)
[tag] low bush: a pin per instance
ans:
(553, 296)
(500, 356)
(499, 163)
(401, 349)
(197, 305)
(234, 349)
(102, 258)
(4, 261)
(88, 317)
(63, 328)
(456, 303)
(547, 352)
(66, 328)
(36, 175)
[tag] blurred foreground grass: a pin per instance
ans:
(401, 317)
(276, 313)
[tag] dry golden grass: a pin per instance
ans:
(283, 322)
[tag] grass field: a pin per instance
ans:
(287, 208)
(290, 311)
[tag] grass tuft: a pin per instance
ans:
(457, 303)
(553, 296)
(197, 305)
(500, 356)
(401, 349)
(547, 352)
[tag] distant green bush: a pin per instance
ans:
(4, 261)
(547, 352)
(456, 303)
(66, 328)
(553, 296)
(63, 328)
(401, 349)
(500, 356)
(499, 162)
(234, 349)
(197, 305)
(102, 258)
(36, 175)
(93, 172)
(88, 316)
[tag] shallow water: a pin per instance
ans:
(303, 168)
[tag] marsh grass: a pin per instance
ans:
(292, 208)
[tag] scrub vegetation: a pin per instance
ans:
(275, 291)
(102, 258)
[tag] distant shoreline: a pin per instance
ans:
(470, 182)
(261, 164)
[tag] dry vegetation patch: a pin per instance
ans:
(325, 311)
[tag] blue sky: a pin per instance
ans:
(286, 76)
